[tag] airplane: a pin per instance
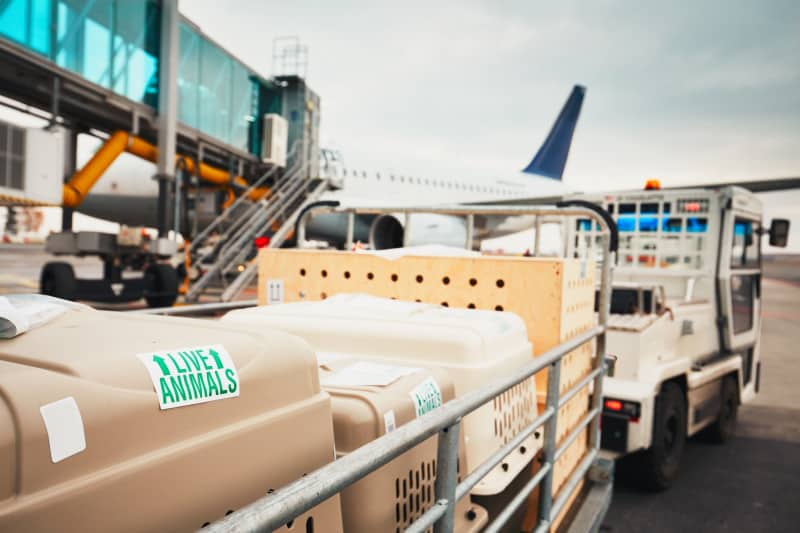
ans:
(123, 196)
(541, 179)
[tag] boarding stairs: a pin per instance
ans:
(224, 252)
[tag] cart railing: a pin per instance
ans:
(276, 509)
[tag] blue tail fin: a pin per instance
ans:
(549, 161)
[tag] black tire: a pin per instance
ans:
(160, 285)
(660, 464)
(58, 279)
(724, 426)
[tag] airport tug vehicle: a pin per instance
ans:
(684, 323)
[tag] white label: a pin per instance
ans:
(22, 312)
(426, 396)
(366, 374)
(388, 421)
(64, 425)
(274, 291)
(187, 376)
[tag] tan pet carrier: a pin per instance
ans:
(370, 399)
(470, 346)
(121, 422)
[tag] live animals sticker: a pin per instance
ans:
(426, 396)
(274, 291)
(187, 376)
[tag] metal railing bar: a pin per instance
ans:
(447, 475)
(271, 512)
(428, 518)
(485, 467)
(543, 527)
(609, 257)
(574, 479)
(549, 444)
(567, 396)
(573, 434)
(520, 498)
(463, 210)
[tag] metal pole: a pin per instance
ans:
(604, 306)
(177, 214)
(470, 231)
(167, 109)
(56, 101)
(351, 224)
(447, 476)
(549, 448)
(70, 157)
(406, 232)
(537, 239)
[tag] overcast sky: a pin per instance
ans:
(679, 90)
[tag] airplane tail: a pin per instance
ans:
(551, 158)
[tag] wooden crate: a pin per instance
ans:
(554, 296)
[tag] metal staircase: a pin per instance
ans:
(224, 252)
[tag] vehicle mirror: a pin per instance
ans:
(779, 232)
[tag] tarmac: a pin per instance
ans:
(751, 483)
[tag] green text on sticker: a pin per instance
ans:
(192, 375)
(426, 396)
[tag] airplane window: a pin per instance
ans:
(344, 173)
(402, 179)
(364, 174)
(392, 177)
(377, 175)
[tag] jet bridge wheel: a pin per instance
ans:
(659, 464)
(723, 427)
(160, 285)
(58, 279)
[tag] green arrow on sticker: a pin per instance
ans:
(160, 362)
(216, 357)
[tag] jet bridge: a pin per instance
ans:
(150, 83)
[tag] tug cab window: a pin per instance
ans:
(746, 246)
(745, 254)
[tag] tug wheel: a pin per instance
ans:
(58, 279)
(160, 285)
(660, 463)
(723, 427)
